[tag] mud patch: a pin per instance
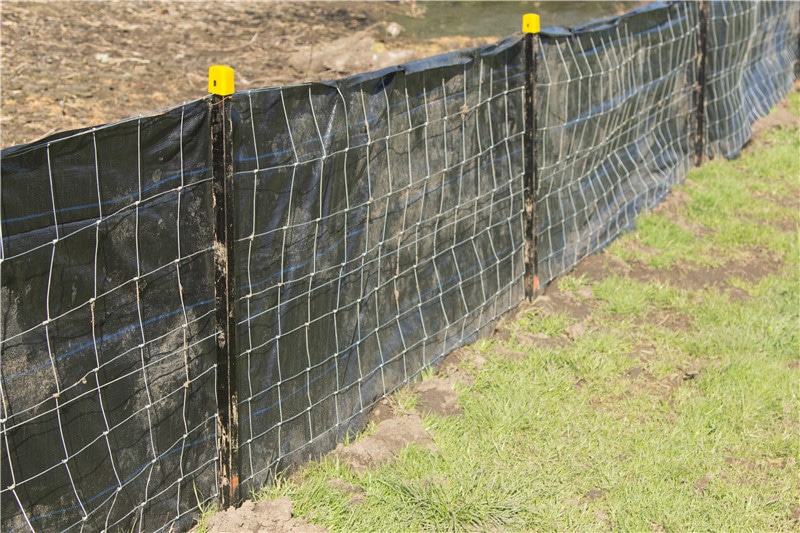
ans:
(523, 339)
(702, 484)
(673, 204)
(748, 270)
(556, 301)
(391, 437)
(672, 320)
(271, 516)
(437, 395)
(599, 266)
(660, 388)
(576, 331)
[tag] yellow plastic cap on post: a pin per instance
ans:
(220, 80)
(530, 23)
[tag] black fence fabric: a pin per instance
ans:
(752, 48)
(380, 226)
(107, 368)
(379, 223)
(615, 115)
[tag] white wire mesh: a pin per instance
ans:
(752, 47)
(383, 228)
(615, 124)
(104, 346)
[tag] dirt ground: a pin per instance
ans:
(68, 64)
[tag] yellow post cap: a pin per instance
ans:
(530, 23)
(220, 80)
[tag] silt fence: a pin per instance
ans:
(198, 298)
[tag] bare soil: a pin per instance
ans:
(272, 516)
(68, 64)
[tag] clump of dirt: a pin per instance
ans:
(271, 516)
(391, 436)
(555, 301)
(437, 395)
(358, 52)
(599, 266)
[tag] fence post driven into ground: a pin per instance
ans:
(220, 85)
(700, 86)
(530, 27)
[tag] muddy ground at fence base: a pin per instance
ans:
(68, 64)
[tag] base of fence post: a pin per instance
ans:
(221, 86)
(530, 27)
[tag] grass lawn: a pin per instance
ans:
(655, 388)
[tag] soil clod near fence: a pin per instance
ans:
(271, 516)
(391, 436)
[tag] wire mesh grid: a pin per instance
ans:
(106, 385)
(382, 227)
(615, 122)
(752, 47)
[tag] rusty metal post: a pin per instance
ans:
(530, 27)
(220, 85)
(700, 86)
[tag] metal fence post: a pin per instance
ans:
(700, 86)
(220, 85)
(530, 27)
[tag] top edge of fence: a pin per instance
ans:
(61, 136)
(609, 23)
(456, 57)
(461, 56)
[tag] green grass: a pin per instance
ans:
(737, 206)
(206, 509)
(678, 409)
